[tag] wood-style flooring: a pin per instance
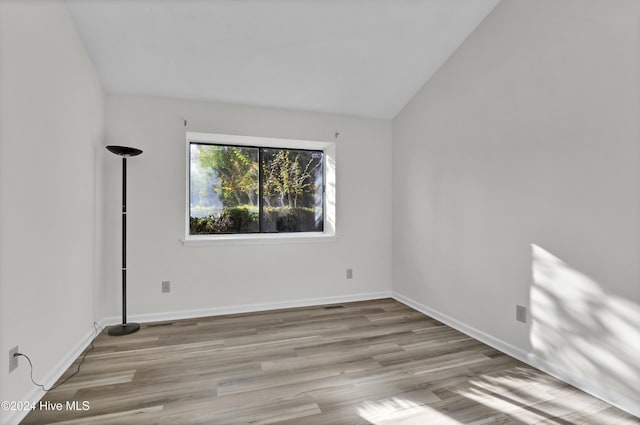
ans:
(374, 362)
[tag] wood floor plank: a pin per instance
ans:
(370, 362)
(144, 416)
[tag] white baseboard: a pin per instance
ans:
(464, 328)
(613, 398)
(14, 417)
(246, 308)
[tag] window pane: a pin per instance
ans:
(292, 186)
(223, 195)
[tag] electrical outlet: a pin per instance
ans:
(166, 286)
(521, 313)
(13, 360)
(349, 273)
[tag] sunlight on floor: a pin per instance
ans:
(398, 411)
(526, 396)
(523, 395)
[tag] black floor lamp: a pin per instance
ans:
(124, 328)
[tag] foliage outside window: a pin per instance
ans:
(246, 189)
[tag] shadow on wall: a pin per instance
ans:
(579, 328)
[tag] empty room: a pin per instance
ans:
(319, 212)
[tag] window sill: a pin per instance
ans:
(257, 239)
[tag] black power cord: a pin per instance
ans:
(84, 356)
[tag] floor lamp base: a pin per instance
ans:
(118, 330)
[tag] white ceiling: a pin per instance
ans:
(355, 57)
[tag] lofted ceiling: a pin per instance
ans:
(354, 57)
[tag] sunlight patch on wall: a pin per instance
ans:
(580, 328)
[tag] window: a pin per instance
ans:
(255, 186)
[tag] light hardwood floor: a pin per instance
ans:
(374, 362)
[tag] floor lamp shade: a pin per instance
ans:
(124, 328)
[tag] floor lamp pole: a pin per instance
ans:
(124, 328)
(124, 240)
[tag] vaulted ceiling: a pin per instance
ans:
(354, 57)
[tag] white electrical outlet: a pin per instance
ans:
(349, 273)
(13, 360)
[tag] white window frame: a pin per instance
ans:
(329, 175)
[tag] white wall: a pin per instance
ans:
(529, 135)
(51, 112)
(205, 278)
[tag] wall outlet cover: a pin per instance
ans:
(349, 273)
(521, 313)
(166, 286)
